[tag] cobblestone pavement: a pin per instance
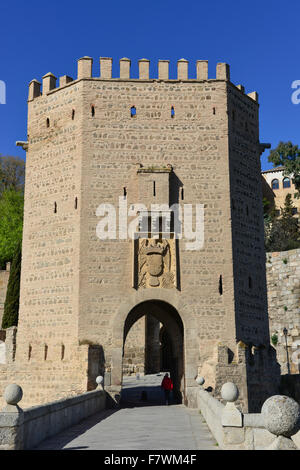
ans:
(138, 425)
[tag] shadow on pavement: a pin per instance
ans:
(64, 437)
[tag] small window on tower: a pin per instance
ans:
(172, 112)
(93, 111)
(48, 122)
(73, 114)
(133, 111)
(220, 285)
(45, 352)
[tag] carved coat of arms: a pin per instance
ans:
(156, 263)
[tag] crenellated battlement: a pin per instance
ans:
(85, 64)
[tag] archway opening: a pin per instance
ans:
(153, 345)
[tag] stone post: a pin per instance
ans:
(49, 82)
(182, 69)
(34, 89)
(105, 67)
(231, 416)
(202, 70)
(223, 71)
(281, 417)
(12, 420)
(144, 69)
(64, 80)
(163, 69)
(125, 68)
(84, 67)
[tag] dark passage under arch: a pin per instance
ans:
(171, 336)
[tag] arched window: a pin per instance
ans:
(286, 182)
(275, 184)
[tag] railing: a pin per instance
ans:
(275, 428)
(26, 429)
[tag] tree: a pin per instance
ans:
(11, 223)
(282, 233)
(12, 173)
(11, 306)
(288, 155)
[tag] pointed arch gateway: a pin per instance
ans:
(164, 306)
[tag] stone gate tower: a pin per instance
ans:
(96, 140)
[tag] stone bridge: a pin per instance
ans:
(143, 421)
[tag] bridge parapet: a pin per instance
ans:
(234, 430)
(25, 429)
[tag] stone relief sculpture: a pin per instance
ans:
(156, 263)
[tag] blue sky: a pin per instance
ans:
(259, 39)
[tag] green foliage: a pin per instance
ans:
(284, 260)
(11, 306)
(12, 173)
(11, 223)
(282, 233)
(274, 339)
(288, 155)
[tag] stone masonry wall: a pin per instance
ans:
(84, 148)
(4, 276)
(283, 276)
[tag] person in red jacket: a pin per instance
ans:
(167, 386)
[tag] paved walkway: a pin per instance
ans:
(138, 425)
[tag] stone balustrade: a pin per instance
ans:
(275, 428)
(26, 429)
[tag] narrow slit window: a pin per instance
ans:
(172, 112)
(48, 122)
(29, 352)
(154, 189)
(133, 111)
(62, 351)
(45, 352)
(214, 110)
(93, 111)
(76, 202)
(55, 208)
(73, 114)
(182, 193)
(124, 192)
(220, 285)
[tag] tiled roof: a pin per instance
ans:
(272, 170)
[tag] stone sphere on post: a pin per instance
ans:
(229, 392)
(281, 415)
(200, 380)
(13, 394)
(99, 380)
